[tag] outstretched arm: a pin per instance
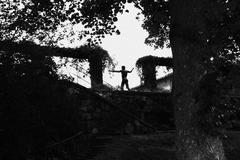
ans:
(130, 71)
(114, 71)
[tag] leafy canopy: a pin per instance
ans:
(42, 18)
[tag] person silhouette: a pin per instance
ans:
(124, 76)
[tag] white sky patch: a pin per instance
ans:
(126, 48)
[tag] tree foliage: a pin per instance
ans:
(21, 18)
(212, 25)
(36, 18)
(156, 22)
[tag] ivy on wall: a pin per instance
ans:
(79, 54)
(152, 61)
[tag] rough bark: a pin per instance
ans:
(188, 51)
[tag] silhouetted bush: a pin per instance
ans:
(34, 107)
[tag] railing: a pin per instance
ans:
(75, 140)
(78, 77)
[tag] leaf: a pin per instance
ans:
(118, 32)
(115, 19)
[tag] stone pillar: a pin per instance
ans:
(149, 75)
(96, 73)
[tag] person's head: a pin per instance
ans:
(123, 67)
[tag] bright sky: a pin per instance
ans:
(127, 47)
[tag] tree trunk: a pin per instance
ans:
(187, 42)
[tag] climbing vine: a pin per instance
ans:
(154, 61)
(79, 55)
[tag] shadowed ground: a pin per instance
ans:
(157, 147)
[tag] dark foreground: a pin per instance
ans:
(157, 147)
